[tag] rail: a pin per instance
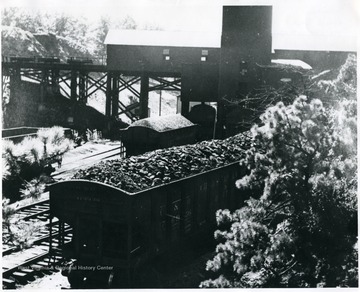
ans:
(41, 262)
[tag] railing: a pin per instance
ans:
(19, 133)
(54, 59)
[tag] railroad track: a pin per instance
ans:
(35, 211)
(38, 210)
(40, 262)
(43, 236)
(70, 167)
(36, 261)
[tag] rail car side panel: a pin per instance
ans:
(186, 209)
(113, 227)
(99, 217)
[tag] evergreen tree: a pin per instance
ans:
(299, 229)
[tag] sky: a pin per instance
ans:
(336, 20)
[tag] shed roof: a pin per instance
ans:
(292, 62)
(163, 123)
(164, 38)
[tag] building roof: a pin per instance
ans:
(198, 39)
(292, 62)
(314, 42)
(163, 123)
(164, 38)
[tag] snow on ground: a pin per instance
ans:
(54, 281)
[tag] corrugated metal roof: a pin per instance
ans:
(164, 38)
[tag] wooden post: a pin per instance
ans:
(115, 96)
(144, 96)
(62, 234)
(44, 84)
(55, 73)
(108, 95)
(185, 105)
(160, 98)
(73, 85)
(82, 87)
(59, 233)
(219, 131)
(15, 83)
(50, 235)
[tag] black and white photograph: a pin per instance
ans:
(179, 144)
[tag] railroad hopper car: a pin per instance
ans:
(157, 133)
(115, 232)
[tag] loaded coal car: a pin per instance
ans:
(122, 220)
(158, 132)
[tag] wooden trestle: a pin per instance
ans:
(78, 79)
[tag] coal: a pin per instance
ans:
(162, 166)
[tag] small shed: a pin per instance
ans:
(158, 132)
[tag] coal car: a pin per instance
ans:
(116, 232)
(158, 132)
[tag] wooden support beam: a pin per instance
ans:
(64, 80)
(62, 91)
(185, 106)
(55, 73)
(115, 96)
(100, 84)
(73, 85)
(5, 84)
(128, 85)
(32, 74)
(33, 77)
(128, 110)
(144, 96)
(44, 84)
(51, 234)
(125, 84)
(220, 130)
(164, 84)
(108, 95)
(15, 82)
(82, 87)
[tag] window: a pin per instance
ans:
(204, 54)
(166, 54)
(243, 68)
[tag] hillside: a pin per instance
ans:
(23, 112)
(18, 42)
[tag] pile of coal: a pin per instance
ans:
(162, 166)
